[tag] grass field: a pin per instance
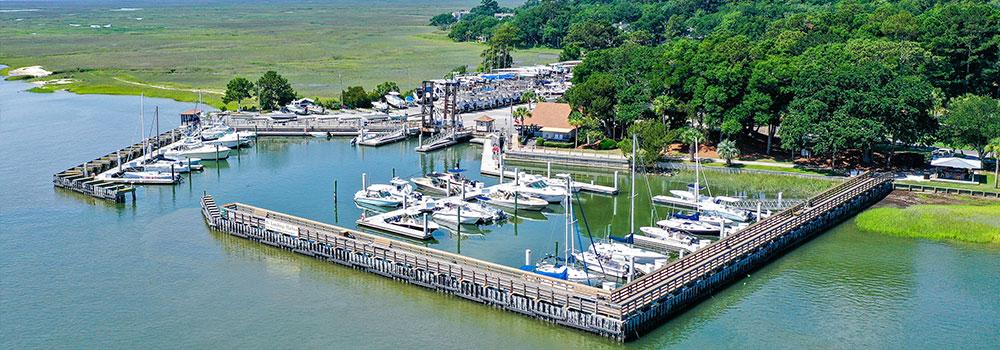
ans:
(972, 223)
(202, 45)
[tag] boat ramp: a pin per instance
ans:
(623, 314)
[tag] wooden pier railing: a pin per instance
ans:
(618, 314)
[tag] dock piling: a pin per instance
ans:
(527, 256)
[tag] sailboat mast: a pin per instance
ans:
(157, 126)
(142, 123)
(632, 191)
(697, 177)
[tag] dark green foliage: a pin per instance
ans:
(443, 20)
(382, 89)
(356, 97)
(273, 91)
(540, 142)
(238, 90)
(556, 144)
(606, 144)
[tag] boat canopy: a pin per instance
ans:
(531, 268)
(627, 239)
(693, 217)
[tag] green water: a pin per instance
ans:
(79, 272)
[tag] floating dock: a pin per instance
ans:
(622, 314)
(490, 165)
(386, 137)
(380, 223)
(83, 178)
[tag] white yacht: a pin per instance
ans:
(506, 199)
(192, 148)
(613, 249)
(536, 186)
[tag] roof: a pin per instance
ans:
(961, 163)
(191, 112)
(552, 115)
(484, 118)
(556, 130)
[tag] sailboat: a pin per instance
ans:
(622, 252)
(566, 267)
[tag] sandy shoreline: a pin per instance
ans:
(35, 71)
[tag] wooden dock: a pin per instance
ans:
(623, 314)
(83, 178)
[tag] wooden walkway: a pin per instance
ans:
(82, 178)
(622, 314)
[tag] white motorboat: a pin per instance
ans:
(192, 148)
(166, 166)
(230, 140)
(565, 272)
(378, 195)
(691, 226)
(625, 252)
(537, 187)
(414, 222)
(440, 183)
(506, 199)
(681, 198)
(489, 214)
(676, 239)
(449, 213)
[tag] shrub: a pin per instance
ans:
(558, 144)
(607, 144)
(540, 142)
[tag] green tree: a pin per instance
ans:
(443, 20)
(692, 137)
(238, 90)
(728, 151)
(274, 91)
(972, 121)
(500, 47)
(652, 138)
(593, 35)
(383, 89)
(356, 97)
(570, 52)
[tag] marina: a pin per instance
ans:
(222, 265)
(623, 313)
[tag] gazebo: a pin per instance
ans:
(484, 124)
(953, 168)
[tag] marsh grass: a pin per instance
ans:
(40, 90)
(966, 222)
(202, 45)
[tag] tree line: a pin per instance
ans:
(826, 76)
(273, 91)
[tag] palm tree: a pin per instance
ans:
(728, 151)
(519, 114)
(692, 136)
(530, 96)
(994, 146)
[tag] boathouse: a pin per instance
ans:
(191, 116)
(484, 124)
(550, 121)
(956, 169)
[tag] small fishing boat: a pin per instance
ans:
(377, 195)
(166, 166)
(506, 199)
(695, 227)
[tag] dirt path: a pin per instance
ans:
(168, 88)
